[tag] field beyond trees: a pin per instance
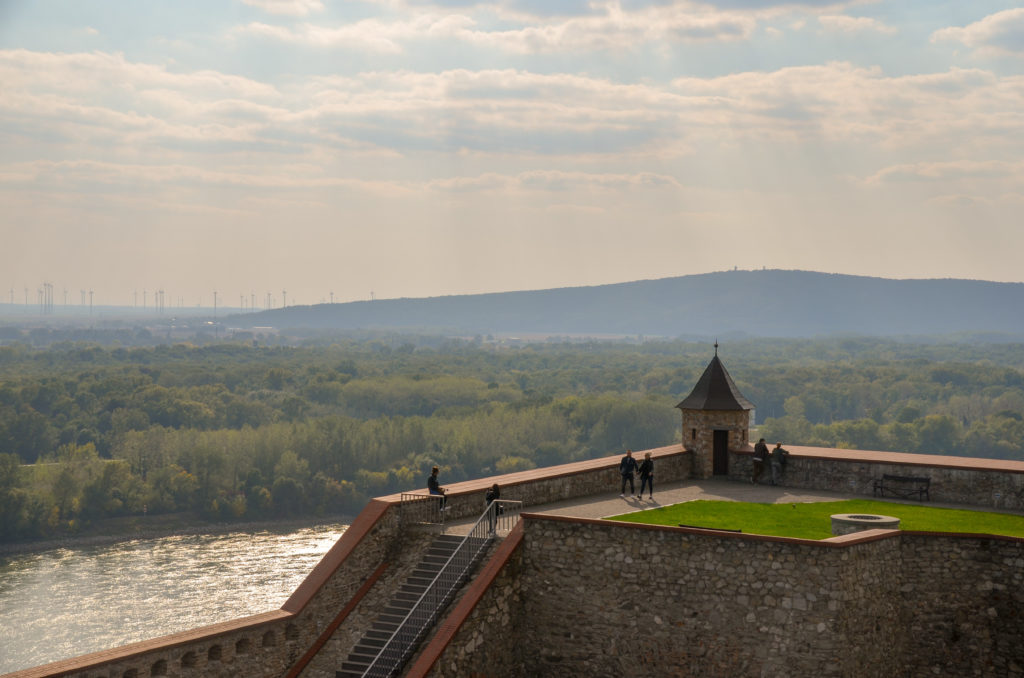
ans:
(236, 432)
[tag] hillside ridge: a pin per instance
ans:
(766, 302)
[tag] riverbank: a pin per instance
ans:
(116, 530)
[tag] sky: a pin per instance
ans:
(303, 151)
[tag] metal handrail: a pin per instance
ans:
(441, 590)
(419, 507)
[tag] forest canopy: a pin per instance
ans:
(236, 432)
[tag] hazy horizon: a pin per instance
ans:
(406, 149)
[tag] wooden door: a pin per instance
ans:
(720, 460)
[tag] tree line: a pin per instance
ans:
(231, 431)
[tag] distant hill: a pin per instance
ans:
(771, 303)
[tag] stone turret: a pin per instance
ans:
(716, 418)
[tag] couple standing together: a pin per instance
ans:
(775, 458)
(628, 467)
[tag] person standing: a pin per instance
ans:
(627, 467)
(778, 462)
(493, 494)
(760, 457)
(646, 476)
(434, 487)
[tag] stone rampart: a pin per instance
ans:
(278, 643)
(265, 645)
(595, 598)
(978, 626)
(991, 483)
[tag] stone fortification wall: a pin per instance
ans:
(955, 480)
(275, 643)
(979, 626)
(596, 599)
(268, 644)
(622, 600)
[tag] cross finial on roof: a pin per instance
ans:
(716, 347)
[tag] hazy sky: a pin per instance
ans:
(414, 148)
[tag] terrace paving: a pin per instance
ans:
(611, 504)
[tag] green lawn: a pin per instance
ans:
(811, 520)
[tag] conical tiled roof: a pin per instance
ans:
(715, 390)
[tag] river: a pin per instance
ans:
(71, 601)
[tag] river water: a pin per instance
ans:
(71, 601)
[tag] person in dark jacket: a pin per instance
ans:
(627, 467)
(778, 462)
(493, 494)
(760, 457)
(646, 476)
(434, 487)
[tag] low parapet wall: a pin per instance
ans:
(990, 483)
(558, 483)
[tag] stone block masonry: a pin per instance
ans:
(265, 645)
(577, 597)
(979, 627)
(618, 600)
(594, 598)
(979, 483)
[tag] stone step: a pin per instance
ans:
(374, 644)
(381, 630)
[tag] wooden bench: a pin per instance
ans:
(904, 487)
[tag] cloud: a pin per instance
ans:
(847, 104)
(610, 29)
(287, 7)
(769, 4)
(999, 33)
(552, 181)
(950, 171)
(80, 73)
(369, 35)
(541, 132)
(839, 23)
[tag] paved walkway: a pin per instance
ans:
(602, 506)
(611, 504)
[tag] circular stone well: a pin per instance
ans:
(848, 523)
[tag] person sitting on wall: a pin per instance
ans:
(778, 462)
(435, 488)
(627, 467)
(760, 456)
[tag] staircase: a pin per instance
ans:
(397, 612)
